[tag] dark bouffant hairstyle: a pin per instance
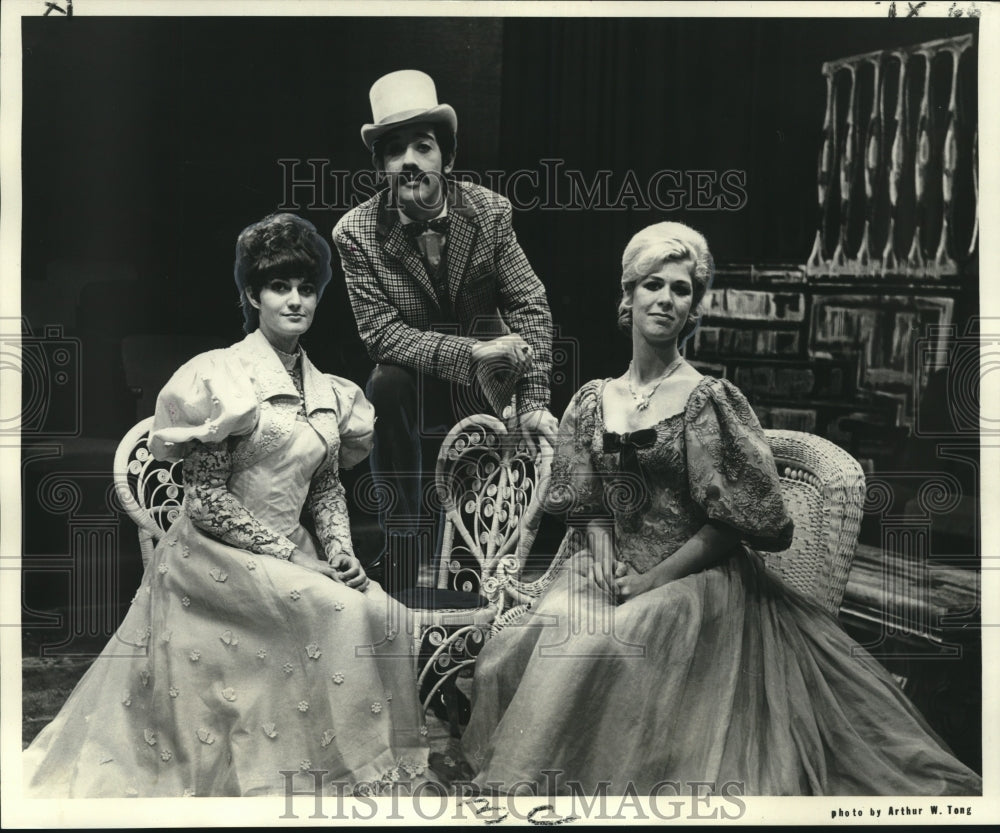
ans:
(279, 246)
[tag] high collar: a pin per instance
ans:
(288, 360)
(271, 379)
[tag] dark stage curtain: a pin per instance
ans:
(614, 103)
(624, 99)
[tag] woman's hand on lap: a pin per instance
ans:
(629, 584)
(349, 571)
(605, 572)
(304, 559)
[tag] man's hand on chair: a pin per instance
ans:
(509, 353)
(536, 426)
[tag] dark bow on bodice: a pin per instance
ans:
(636, 495)
(626, 447)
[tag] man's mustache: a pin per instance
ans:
(409, 175)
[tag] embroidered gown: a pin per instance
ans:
(726, 675)
(234, 664)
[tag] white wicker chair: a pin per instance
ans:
(824, 490)
(482, 477)
(150, 491)
(490, 487)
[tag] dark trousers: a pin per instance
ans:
(414, 412)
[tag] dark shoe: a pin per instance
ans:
(451, 706)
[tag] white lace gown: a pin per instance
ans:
(236, 670)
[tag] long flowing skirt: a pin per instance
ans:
(726, 676)
(238, 674)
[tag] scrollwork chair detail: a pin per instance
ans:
(490, 486)
(491, 489)
(151, 491)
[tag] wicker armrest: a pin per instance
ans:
(824, 490)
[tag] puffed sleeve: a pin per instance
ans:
(731, 473)
(357, 421)
(208, 399)
(575, 491)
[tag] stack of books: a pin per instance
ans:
(912, 596)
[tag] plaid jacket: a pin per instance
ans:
(491, 286)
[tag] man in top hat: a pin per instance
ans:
(445, 300)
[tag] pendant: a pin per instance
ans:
(643, 403)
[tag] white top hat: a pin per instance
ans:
(405, 97)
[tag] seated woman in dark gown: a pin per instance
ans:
(664, 652)
(256, 651)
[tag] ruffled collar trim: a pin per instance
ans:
(273, 379)
(289, 360)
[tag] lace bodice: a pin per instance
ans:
(710, 462)
(260, 441)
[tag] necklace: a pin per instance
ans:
(642, 400)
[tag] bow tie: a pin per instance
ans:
(415, 228)
(626, 447)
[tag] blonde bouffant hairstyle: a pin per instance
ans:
(666, 243)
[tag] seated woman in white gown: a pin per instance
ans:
(665, 656)
(256, 652)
